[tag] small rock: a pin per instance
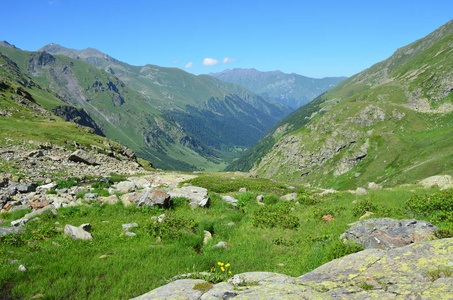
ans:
(90, 196)
(221, 244)
(129, 226)
(204, 203)
(360, 191)
(280, 265)
(128, 233)
(207, 237)
(373, 186)
(259, 198)
(229, 199)
(82, 156)
(289, 197)
(19, 222)
(86, 227)
(161, 218)
(242, 190)
(231, 224)
(77, 233)
(14, 261)
(22, 268)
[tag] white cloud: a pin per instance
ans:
(176, 61)
(228, 60)
(210, 61)
(189, 65)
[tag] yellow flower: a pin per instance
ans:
(229, 272)
(222, 269)
(227, 265)
(220, 264)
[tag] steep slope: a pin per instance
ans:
(391, 123)
(290, 89)
(165, 115)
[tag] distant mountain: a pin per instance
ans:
(172, 118)
(292, 90)
(391, 124)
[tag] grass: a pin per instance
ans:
(114, 265)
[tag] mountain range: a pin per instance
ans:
(293, 90)
(390, 124)
(170, 117)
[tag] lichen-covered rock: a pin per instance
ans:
(82, 156)
(195, 194)
(77, 233)
(442, 181)
(398, 273)
(385, 233)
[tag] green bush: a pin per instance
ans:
(275, 216)
(440, 201)
(361, 207)
(68, 183)
(116, 178)
(171, 227)
(339, 249)
(100, 185)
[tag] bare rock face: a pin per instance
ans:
(386, 233)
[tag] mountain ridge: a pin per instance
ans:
(292, 89)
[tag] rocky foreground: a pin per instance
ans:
(416, 271)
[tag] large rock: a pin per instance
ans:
(77, 233)
(196, 195)
(386, 233)
(231, 200)
(82, 156)
(149, 197)
(398, 273)
(181, 289)
(10, 230)
(442, 181)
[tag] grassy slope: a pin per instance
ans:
(400, 151)
(116, 266)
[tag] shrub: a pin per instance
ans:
(68, 183)
(444, 232)
(116, 178)
(440, 201)
(339, 249)
(100, 185)
(171, 227)
(275, 216)
(363, 206)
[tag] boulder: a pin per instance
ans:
(207, 237)
(38, 204)
(26, 187)
(82, 156)
(10, 230)
(151, 198)
(195, 194)
(231, 200)
(386, 233)
(125, 186)
(77, 233)
(360, 191)
(442, 181)
(373, 186)
(398, 273)
(289, 197)
(179, 289)
(50, 209)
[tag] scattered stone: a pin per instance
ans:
(373, 186)
(161, 218)
(125, 186)
(39, 204)
(259, 198)
(10, 230)
(356, 175)
(128, 233)
(195, 194)
(207, 237)
(22, 268)
(26, 187)
(328, 191)
(82, 156)
(110, 199)
(90, 196)
(280, 265)
(204, 202)
(19, 223)
(50, 209)
(47, 187)
(360, 191)
(242, 190)
(14, 261)
(18, 207)
(221, 244)
(151, 198)
(56, 244)
(289, 197)
(77, 233)
(386, 233)
(231, 224)
(231, 200)
(129, 226)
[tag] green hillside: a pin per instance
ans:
(167, 116)
(391, 124)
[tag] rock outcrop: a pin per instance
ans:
(399, 273)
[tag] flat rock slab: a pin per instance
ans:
(10, 230)
(195, 194)
(386, 233)
(398, 273)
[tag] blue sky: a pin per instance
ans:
(315, 38)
